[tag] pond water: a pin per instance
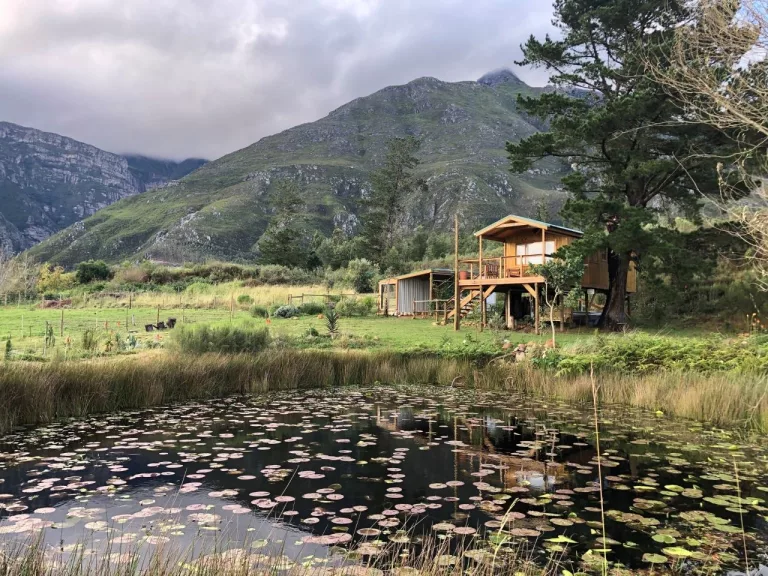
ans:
(312, 474)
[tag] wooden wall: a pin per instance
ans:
(596, 266)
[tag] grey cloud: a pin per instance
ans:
(178, 78)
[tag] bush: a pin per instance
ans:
(221, 339)
(360, 274)
(92, 270)
(312, 308)
(244, 300)
(286, 311)
(356, 306)
(89, 341)
(258, 311)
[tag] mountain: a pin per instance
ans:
(153, 172)
(48, 182)
(221, 209)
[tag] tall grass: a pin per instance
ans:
(722, 398)
(32, 393)
(222, 339)
(200, 295)
(433, 558)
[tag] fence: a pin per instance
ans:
(292, 298)
(439, 308)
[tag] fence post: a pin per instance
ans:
(61, 327)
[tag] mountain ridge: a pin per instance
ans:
(49, 181)
(221, 209)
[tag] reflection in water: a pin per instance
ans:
(296, 472)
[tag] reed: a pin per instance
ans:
(721, 398)
(34, 393)
(432, 558)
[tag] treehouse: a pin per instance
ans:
(526, 242)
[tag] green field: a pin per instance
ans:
(26, 325)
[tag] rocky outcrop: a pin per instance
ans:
(48, 182)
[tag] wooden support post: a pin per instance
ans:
(456, 289)
(508, 311)
(61, 324)
(480, 260)
(536, 319)
(482, 308)
(130, 300)
(158, 316)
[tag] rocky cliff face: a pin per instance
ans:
(48, 182)
(221, 210)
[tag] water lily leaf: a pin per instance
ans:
(561, 540)
(677, 552)
(664, 538)
(654, 558)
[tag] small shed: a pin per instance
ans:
(414, 293)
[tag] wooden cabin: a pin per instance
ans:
(415, 294)
(525, 242)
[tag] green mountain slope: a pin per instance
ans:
(221, 209)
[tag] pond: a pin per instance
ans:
(316, 475)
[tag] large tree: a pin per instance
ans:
(717, 68)
(285, 241)
(391, 185)
(613, 124)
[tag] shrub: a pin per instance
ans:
(312, 308)
(131, 275)
(258, 311)
(312, 332)
(332, 322)
(286, 311)
(221, 339)
(92, 270)
(360, 274)
(89, 341)
(198, 289)
(356, 306)
(244, 300)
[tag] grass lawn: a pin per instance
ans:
(25, 326)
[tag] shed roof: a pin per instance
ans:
(435, 272)
(507, 226)
(445, 272)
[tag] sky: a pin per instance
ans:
(202, 78)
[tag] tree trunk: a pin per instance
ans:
(614, 316)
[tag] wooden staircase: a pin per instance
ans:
(470, 301)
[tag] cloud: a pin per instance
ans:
(179, 78)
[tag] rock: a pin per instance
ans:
(58, 181)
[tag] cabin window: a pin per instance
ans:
(531, 253)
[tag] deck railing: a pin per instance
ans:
(500, 267)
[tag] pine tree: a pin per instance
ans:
(391, 185)
(285, 241)
(616, 127)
